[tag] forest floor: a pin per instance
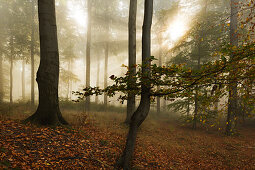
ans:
(97, 140)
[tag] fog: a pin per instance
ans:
(72, 20)
(112, 84)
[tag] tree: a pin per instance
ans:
(198, 47)
(131, 56)
(199, 56)
(11, 67)
(232, 99)
(106, 52)
(143, 109)
(48, 112)
(88, 53)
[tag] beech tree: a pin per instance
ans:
(131, 55)
(48, 112)
(88, 53)
(232, 99)
(143, 109)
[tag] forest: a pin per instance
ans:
(127, 84)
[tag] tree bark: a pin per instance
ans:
(131, 57)
(48, 112)
(87, 102)
(232, 99)
(32, 46)
(143, 109)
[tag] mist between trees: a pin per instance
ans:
(191, 59)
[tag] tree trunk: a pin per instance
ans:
(87, 102)
(188, 106)
(48, 112)
(195, 118)
(131, 56)
(68, 81)
(23, 78)
(1, 79)
(98, 78)
(159, 64)
(200, 39)
(32, 46)
(232, 99)
(143, 109)
(11, 69)
(106, 68)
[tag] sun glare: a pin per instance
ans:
(176, 29)
(78, 14)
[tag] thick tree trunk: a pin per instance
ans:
(11, 69)
(23, 78)
(131, 56)
(232, 99)
(48, 112)
(87, 102)
(1, 79)
(143, 109)
(32, 46)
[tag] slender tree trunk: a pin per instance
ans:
(159, 64)
(48, 112)
(68, 81)
(1, 79)
(87, 102)
(71, 82)
(164, 105)
(98, 78)
(195, 118)
(232, 99)
(200, 40)
(188, 107)
(143, 109)
(23, 78)
(131, 56)
(216, 102)
(106, 67)
(32, 54)
(11, 69)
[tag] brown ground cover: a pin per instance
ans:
(97, 141)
